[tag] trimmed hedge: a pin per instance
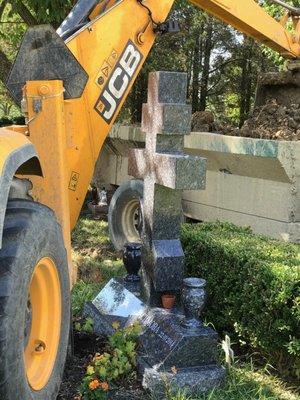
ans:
(253, 285)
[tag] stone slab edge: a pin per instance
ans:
(216, 142)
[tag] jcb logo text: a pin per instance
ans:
(118, 82)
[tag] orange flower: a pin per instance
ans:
(116, 325)
(94, 384)
(174, 370)
(105, 386)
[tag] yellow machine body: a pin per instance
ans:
(10, 142)
(67, 135)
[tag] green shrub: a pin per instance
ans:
(8, 121)
(253, 284)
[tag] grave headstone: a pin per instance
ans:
(166, 172)
(165, 345)
(173, 350)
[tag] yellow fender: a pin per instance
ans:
(17, 156)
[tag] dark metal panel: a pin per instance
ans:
(77, 16)
(12, 164)
(43, 55)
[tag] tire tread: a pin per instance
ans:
(20, 215)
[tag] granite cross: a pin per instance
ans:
(166, 171)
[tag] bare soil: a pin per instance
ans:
(85, 347)
(203, 121)
(276, 115)
(272, 121)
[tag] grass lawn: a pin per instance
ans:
(98, 262)
(246, 383)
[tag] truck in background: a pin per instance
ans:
(250, 182)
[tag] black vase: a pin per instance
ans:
(132, 258)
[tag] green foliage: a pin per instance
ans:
(253, 287)
(232, 111)
(87, 326)
(119, 362)
(96, 261)
(242, 382)
(89, 234)
(50, 11)
(81, 293)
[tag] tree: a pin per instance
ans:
(50, 11)
(208, 47)
(246, 80)
(5, 66)
(20, 8)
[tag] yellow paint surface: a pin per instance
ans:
(9, 142)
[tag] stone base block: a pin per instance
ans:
(193, 381)
(164, 342)
(168, 267)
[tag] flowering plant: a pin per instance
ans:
(106, 370)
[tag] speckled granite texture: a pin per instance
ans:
(191, 380)
(166, 171)
(168, 352)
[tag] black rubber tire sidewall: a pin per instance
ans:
(37, 235)
(128, 191)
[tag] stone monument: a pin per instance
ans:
(166, 171)
(176, 349)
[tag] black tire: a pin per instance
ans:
(125, 214)
(30, 233)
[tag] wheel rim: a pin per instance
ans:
(43, 315)
(131, 221)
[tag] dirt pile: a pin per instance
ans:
(203, 121)
(272, 121)
(276, 114)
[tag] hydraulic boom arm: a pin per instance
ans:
(250, 18)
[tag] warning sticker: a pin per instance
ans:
(106, 68)
(100, 107)
(112, 58)
(74, 181)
